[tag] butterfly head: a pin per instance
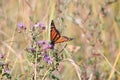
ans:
(52, 45)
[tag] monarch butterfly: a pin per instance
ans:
(56, 37)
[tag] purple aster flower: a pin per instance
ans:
(7, 71)
(36, 25)
(47, 47)
(42, 25)
(47, 58)
(42, 42)
(2, 56)
(20, 25)
(32, 49)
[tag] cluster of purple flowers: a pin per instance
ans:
(42, 43)
(6, 69)
(47, 58)
(46, 46)
(40, 25)
(21, 26)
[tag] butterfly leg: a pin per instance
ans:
(62, 48)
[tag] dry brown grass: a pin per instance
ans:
(94, 24)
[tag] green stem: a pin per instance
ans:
(35, 67)
(45, 74)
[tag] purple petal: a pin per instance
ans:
(2, 56)
(42, 25)
(45, 47)
(32, 49)
(36, 25)
(42, 42)
(20, 25)
(7, 71)
(47, 58)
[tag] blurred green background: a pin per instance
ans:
(94, 25)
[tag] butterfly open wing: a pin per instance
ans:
(55, 35)
(62, 39)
